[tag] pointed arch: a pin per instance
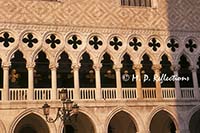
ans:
(194, 119)
(170, 113)
(134, 116)
(166, 72)
(185, 72)
(151, 56)
(127, 69)
(86, 122)
(42, 72)
(86, 72)
(169, 56)
(18, 73)
(108, 76)
(29, 112)
(146, 72)
(189, 59)
(103, 53)
(65, 75)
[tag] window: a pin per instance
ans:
(140, 3)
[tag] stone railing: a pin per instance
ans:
(168, 93)
(187, 92)
(149, 92)
(42, 93)
(129, 93)
(87, 93)
(109, 93)
(17, 94)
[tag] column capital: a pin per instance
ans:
(156, 67)
(30, 65)
(5, 65)
(137, 66)
(117, 66)
(53, 66)
(97, 66)
(76, 66)
(175, 67)
(193, 68)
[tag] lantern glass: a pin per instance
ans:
(46, 109)
(68, 104)
(63, 94)
(75, 108)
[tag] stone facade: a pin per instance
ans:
(50, 25)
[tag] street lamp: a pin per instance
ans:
(68, 109)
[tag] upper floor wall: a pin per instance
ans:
(178, 15)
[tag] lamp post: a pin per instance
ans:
(68, 109)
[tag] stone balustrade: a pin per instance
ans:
(19, 94)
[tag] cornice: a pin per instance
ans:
(104, 30)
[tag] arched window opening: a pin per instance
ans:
(108, 76)
(42, 73)
(147, 74)
(162, 122)
(122, 122)
(31, 123)
(194, 122)
(86, 72)
(127, 73)
(18, 74)
(166, 73)
(65, 75)
(184, 73)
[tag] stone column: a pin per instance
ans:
(98, 93)
(156, 69)
(137, 68)
(76, 81)
(5, 82)
(53, 83)
(30, 82)
(195, 82)
(175, 68)
(118, 80)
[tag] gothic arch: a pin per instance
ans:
(58, 56)
(151, 57)
(12, 54)
(79, 58)
(175, 117)
(36, 54)
(26, 113)
(189, 59)
(134, 116)
(102, 54)
(170, 58)
(191, 113)
(93, 119)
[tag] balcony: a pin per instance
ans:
(21, 94)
